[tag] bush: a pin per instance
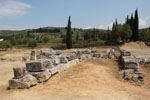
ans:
(13, 41)
(5, 45)
(46, 39)
(32, 43)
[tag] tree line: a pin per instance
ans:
(120, 33)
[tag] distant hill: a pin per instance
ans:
(54, 32)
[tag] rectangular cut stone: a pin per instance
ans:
(19, 72)
(34, 67)
(129, 59)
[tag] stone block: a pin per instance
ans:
(63, 59)
(35, 67)
(25, 82)
(41, 76)
(33, 55)
(19, 72)
(53, 70)
(97, 55)
(56, 60)
(125, 53)
(48, 63)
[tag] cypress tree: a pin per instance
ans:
(132, 27)
(127, 20)
(136, 26)
(69, 35)
(116, 22)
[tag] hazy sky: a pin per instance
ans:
(23, 14)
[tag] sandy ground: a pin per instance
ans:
(92, 79)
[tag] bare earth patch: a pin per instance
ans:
(92, 79)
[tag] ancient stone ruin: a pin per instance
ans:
(129, 67)
(49, 62)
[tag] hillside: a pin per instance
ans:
(54, 32)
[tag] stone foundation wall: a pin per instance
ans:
(41, 67)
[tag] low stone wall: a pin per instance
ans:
(39, 68)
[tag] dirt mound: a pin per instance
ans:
(134, 45)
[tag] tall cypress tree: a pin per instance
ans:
(69, 35)
(127, 20)
(132, 26)
(136, 26)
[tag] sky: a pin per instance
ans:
(28, 14)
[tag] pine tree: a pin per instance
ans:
(136, 26)
(69, 35)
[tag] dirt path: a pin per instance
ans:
(93, 79)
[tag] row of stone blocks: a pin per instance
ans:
(36, 72)
(49, 62)
(129, 67)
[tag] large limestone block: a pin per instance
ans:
(48, 63)
(26, 82)
(35, 66)
(41, 76)
(19, 72)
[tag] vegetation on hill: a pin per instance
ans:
(74, 37)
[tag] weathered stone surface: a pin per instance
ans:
(48, 63)
(58, 53)
(34, 66)
(98, 55)
(33, 55)
(63, 59)
(111, 55)
(56, 60)
(63, 67)
(22, 83)
(143, 60)
(47, 52)
(53, 70)
(19, 72)
(71, 57)
(41, 76)
(129, 62)
(125, 53)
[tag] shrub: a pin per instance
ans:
(5, 45)
(13, 41)
(32, 43)
(46, 39)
